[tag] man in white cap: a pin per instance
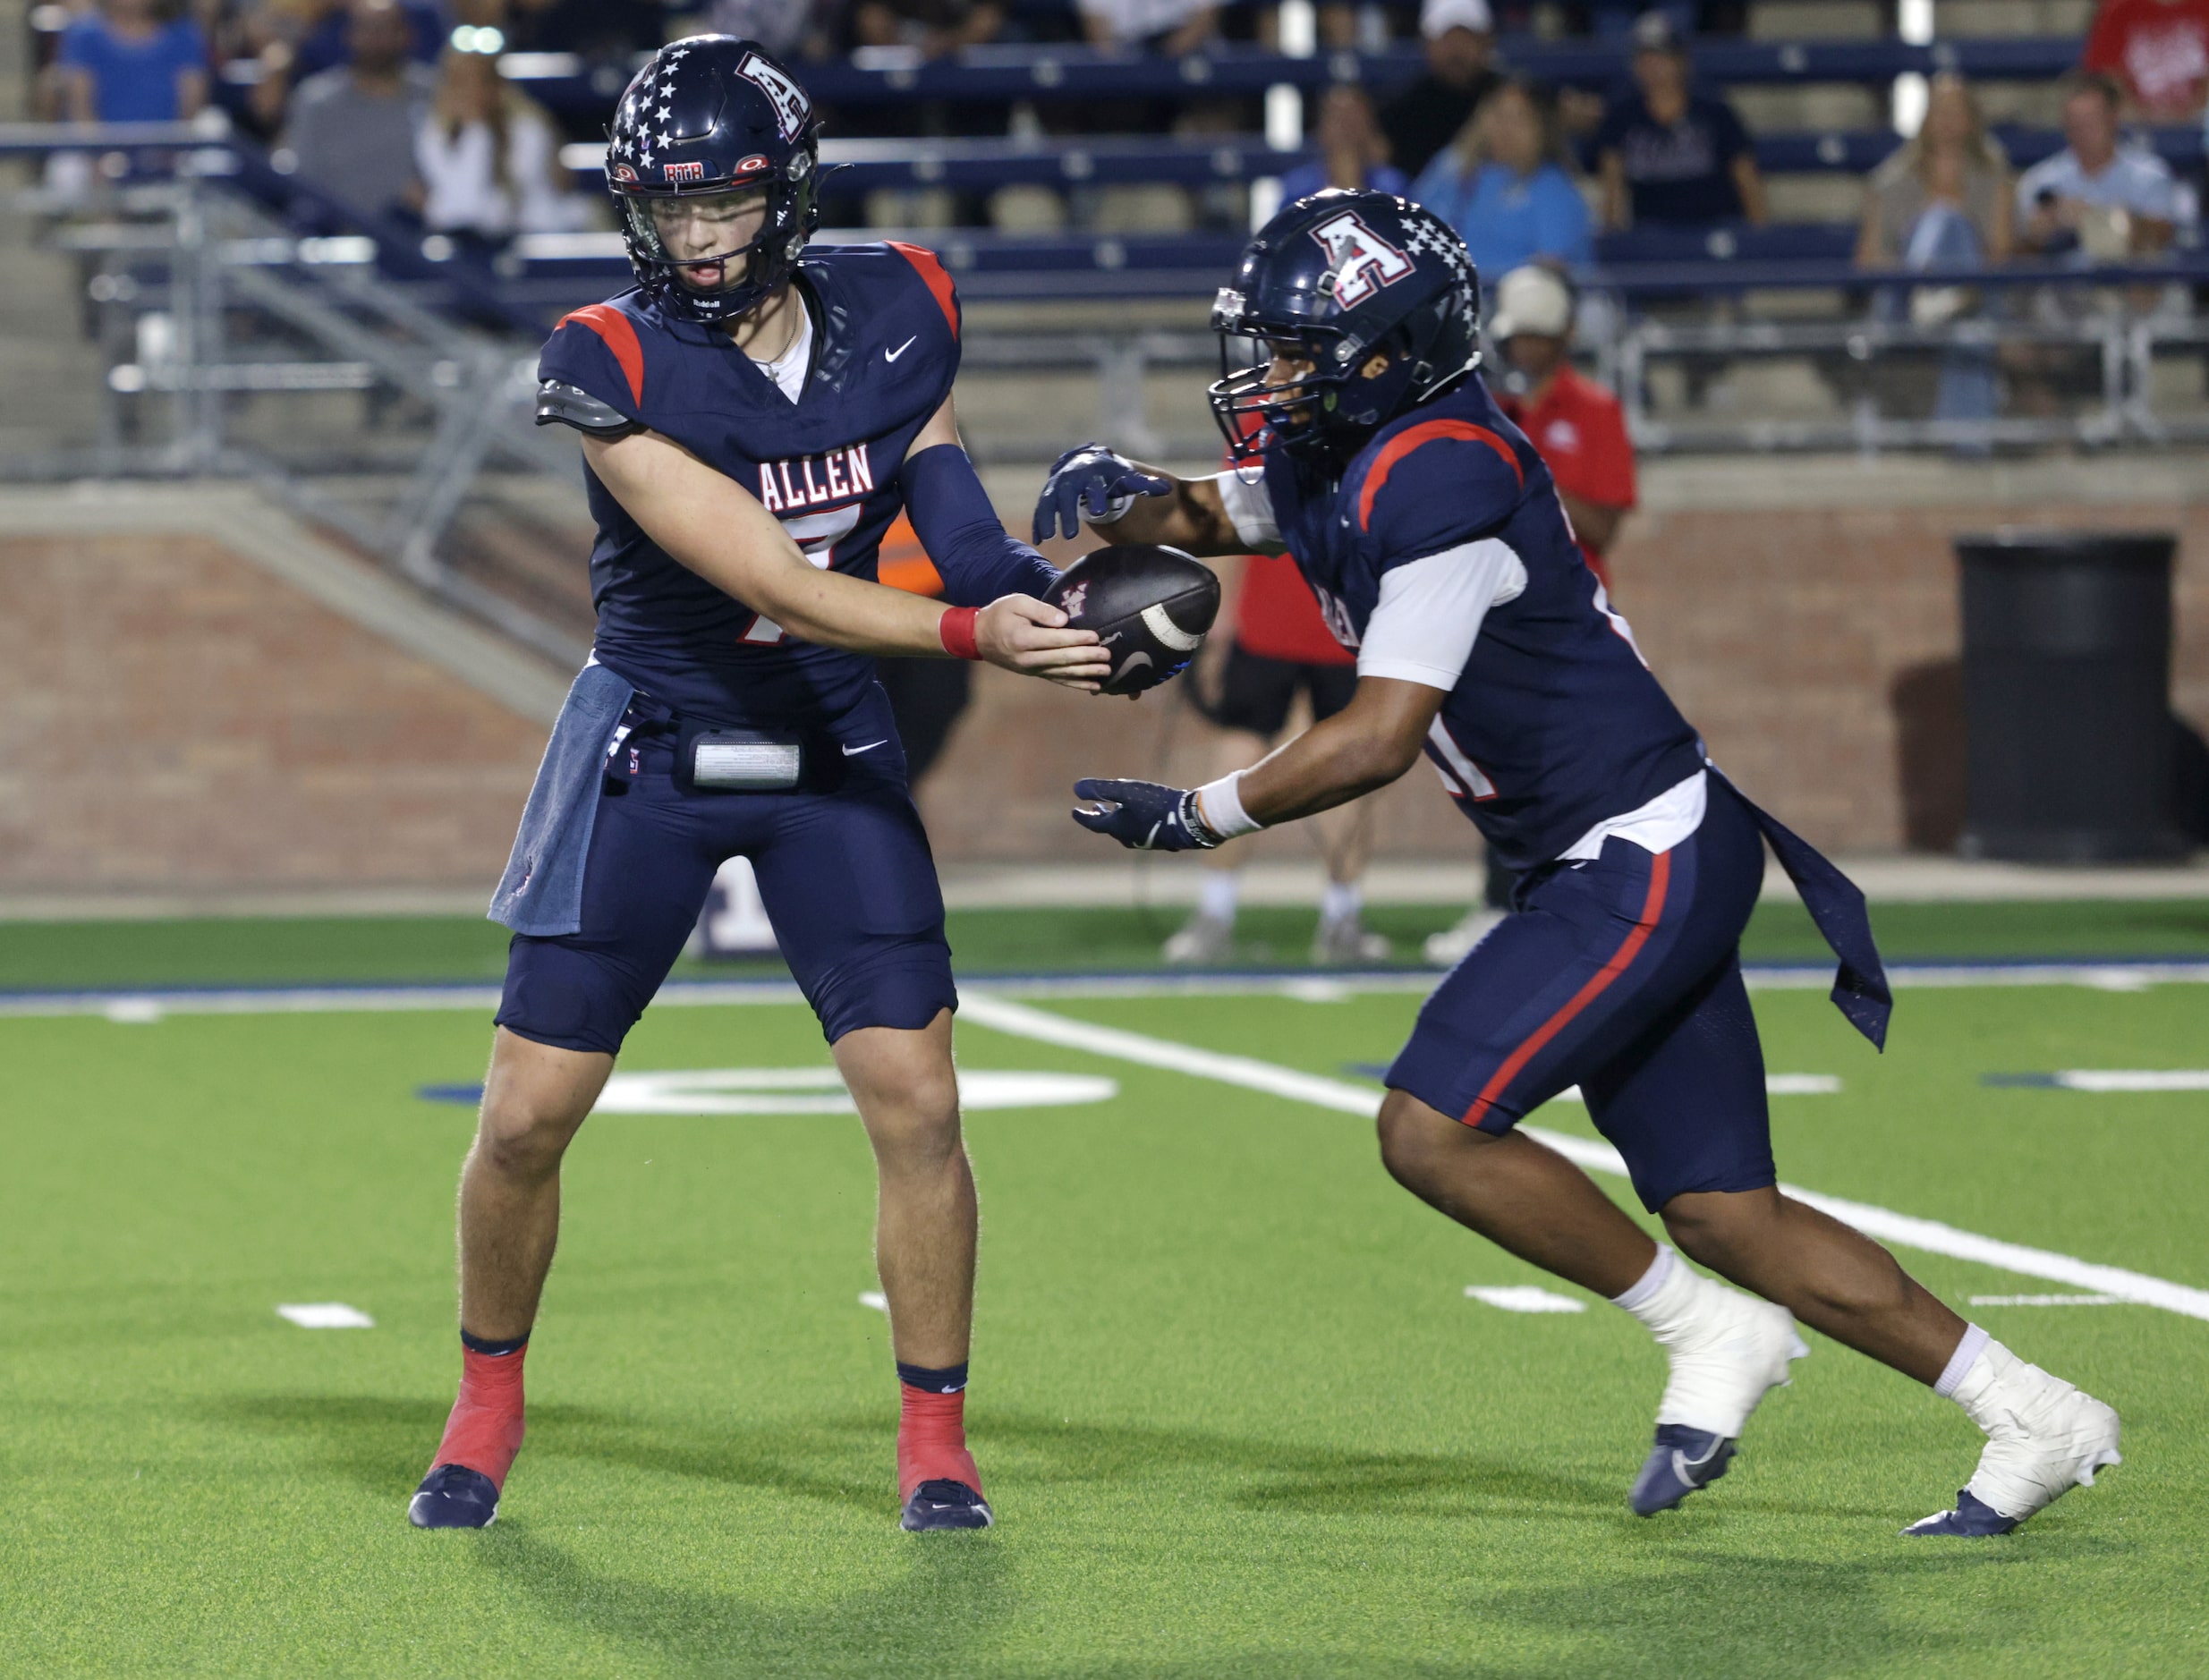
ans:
(1580, 430)
(1425, 117)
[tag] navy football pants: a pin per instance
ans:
(845, 874)
(1622, 975)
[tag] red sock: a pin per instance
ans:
(484, 1431)
(932, 1440)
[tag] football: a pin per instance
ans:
(1150, 606)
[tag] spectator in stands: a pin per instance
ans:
(938, 28)
(2159, 50)
(1944, 196)
(1504, 185)
(1579, 429)
(124, 63)
(489, 158)
(325, 46)
(1427, 115)
(2095, 198)
(349, 130)
(1942, 201)
(1671, 156)
(1352, 150)
(1171, 28)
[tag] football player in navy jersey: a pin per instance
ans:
(1433, 537)
(754, 413)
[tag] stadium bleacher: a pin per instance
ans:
(945, 181)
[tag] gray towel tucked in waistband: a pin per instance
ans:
(541, 892)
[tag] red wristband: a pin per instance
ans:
(957, 627)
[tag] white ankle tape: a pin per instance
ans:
(1961, 1361)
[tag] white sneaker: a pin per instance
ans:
(1200, 941)
(2043, 1438)
(1347, 942)
(1448, 947)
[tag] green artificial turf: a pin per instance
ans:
(1234, 1410)
(253, 951)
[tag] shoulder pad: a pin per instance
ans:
(570, 405)
(1477, 466)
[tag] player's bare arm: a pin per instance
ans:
(714, 526)
(1366, 745)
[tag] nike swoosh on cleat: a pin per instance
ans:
(892, 355)
(852, 752)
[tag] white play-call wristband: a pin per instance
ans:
(1221, 804)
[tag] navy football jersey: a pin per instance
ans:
(1556, 723)
(885, 347)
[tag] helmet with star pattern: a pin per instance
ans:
(1333, 281)
(711, 130)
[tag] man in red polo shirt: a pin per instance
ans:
(1578, 426)
(1281, 646)
(1580, 430)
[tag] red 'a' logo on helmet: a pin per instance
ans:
(1360, 261)
(693, 171)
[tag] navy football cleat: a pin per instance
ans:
(936, 1505)
(453, 1496)
(1682, 1461)
(1972, 1518)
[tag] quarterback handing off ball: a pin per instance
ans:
(1150, 606)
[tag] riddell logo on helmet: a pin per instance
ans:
(682, 172)
(755, 165)
(1361, 261)
(622, 172)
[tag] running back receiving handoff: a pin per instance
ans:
(754, 414)
(1367, 446)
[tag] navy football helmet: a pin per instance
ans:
(1335, 279)
(706, 117)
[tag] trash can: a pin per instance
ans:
(2067, 697)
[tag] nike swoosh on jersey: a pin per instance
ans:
(852, 752)
(892, 355)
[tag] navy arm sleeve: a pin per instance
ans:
(977, 559)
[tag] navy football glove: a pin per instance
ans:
(1146, 816)
(1092, 480)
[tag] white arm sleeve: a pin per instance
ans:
(1250, 510)
(1430, 612)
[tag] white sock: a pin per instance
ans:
(1216, 897)
(1967, 1354)
(1343, 902)
(1642, 1299)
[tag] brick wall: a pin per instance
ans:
(176, 719)
(180, 719)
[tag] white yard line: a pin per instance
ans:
(325, 1315)
(1930, 1236)
(148, 1005)
(1523, 1298)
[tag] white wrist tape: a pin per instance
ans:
(1221, 804)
